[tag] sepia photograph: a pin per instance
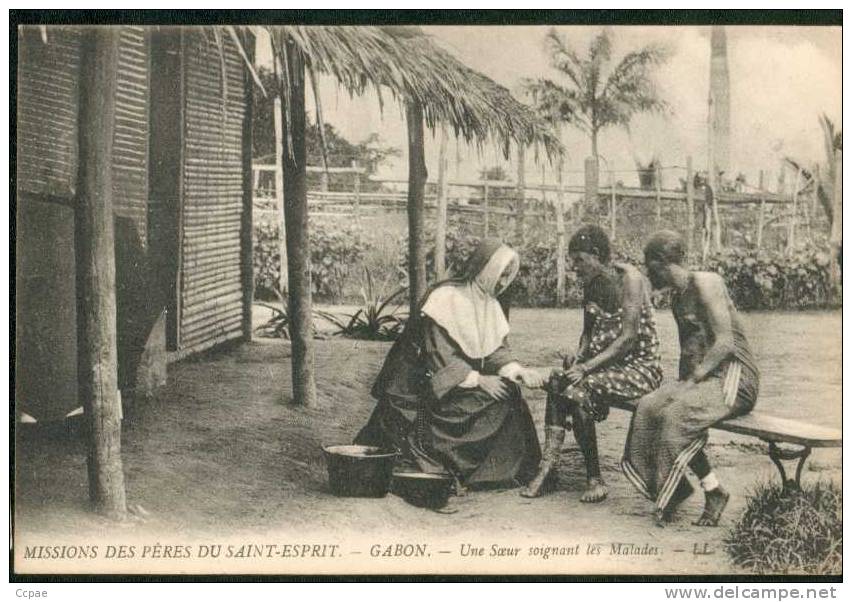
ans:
(328, 294)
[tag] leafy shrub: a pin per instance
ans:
(758, 280)
(459, 244)
(535, 285)
(335, 249)
(265, 259)
(789, 531)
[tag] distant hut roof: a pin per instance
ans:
(410, 64)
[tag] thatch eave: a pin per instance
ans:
(407, 62)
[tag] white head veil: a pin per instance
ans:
(470, 312)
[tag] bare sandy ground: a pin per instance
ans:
(221, 456)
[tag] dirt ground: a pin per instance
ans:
(221, 454)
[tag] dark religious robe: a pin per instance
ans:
(440, 427)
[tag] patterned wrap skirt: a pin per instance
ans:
(634, 375)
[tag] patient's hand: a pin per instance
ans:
(567, 357)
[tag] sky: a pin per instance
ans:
(782, 79)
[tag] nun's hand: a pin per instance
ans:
(495, 387)
(532, 379)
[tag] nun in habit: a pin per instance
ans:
(448, 393)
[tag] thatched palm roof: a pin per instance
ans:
(408, 63)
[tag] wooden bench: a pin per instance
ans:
(774, 430)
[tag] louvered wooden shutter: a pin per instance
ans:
(211, 293)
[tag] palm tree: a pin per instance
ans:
(822, 181)
(832, 141)
(597, 94)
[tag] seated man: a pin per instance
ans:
(618, 357)
(718, 379)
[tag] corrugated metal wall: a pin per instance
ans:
(48, 102)
(130, 146)
(48, 105)
(210, 299)
(211, 304)
(48, 83)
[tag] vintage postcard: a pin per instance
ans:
(460, 298)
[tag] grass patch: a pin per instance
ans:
(790, 532)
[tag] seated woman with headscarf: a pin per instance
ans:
(448, 395)
(618, 358)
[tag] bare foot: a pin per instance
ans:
(715, 501)
(661, 518)
(459, 488)
(137, 513)
(596, 491)
(543, 482)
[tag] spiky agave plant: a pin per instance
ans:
(278, 325)
(378, 319)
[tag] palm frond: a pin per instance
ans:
(248, 63)
(563, 58)
(832, 140)
(630, 89)
(320, 121)
(588, 100)
(556, 104)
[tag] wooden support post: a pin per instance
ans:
(707, 229)
(458, 159)
(94, 245)
(441, 213)
(809, 207)
(560, 233)
(417, 175)
(590, 200)
(690, 207)
(323, 181)
(717, 221)
(612, 207)
(298, 235)
(761, 217)
(356, 208)
(521, 194)
(657, 189)
(247, 220)
(486, 212)
(794, 197)
(278, 120)
(782, 180)
(816, 179)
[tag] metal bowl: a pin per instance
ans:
(359, 470)
(423, 489)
